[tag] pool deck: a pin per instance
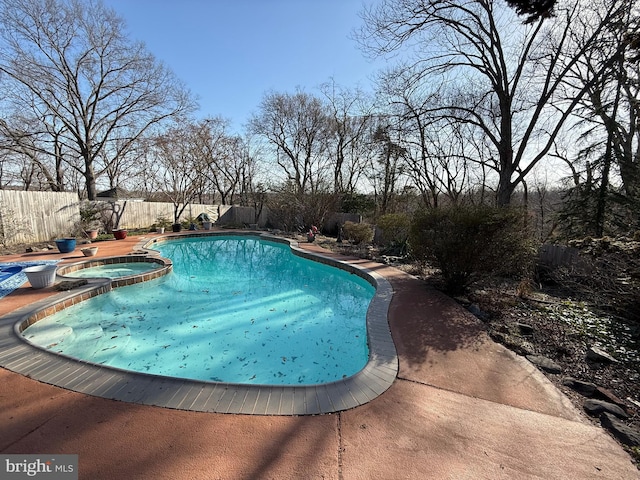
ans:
(461, 407)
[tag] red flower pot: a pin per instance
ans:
(120, 234)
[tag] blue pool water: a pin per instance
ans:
(234, 309)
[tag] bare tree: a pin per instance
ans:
(514, 73)
(253, 192)
(295, 125)
(350, 115)
(74, 59)
(388, 167)
(222, 156)
(147, 181)
(436, 158)
(125, 169)
(179, 173)
(609, 124)
(35, 142)
(610, 112)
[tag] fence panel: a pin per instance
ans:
(27, 217)
(144, 214)
(558, 255)
(239, 216)
(37, 216)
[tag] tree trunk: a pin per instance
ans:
(58, 185)
(505, 186)
(602, 193)
(630, 175)
(504, 193)
(90, 181)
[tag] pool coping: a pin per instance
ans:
(20, 356)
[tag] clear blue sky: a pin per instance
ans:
(230, 52)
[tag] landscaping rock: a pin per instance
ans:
(545, 363)
(619, 430)
(585, 388)
(525, 329)
(598, 355)
(513, 343)
(596, 407)
(609, 396)
(524, 348)
(475, 310)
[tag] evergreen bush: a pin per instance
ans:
(357, 233)
(467, 241)
(395, 229)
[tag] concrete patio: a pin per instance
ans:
(461, 407)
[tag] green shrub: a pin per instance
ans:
(395, 229)
(466, 241)
(357, 233)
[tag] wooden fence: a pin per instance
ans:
(36, 216)
(558, 255)
(237, 216)
(27, 217)
(135, 214)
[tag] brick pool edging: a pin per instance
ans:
(18, 355)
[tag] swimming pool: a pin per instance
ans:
(236, 309)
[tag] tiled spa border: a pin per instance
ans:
(164, 266)
(375, 378)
